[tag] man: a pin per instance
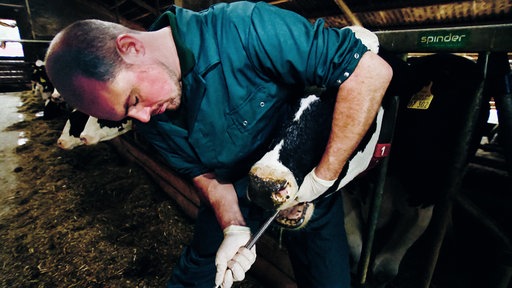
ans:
(209, 88)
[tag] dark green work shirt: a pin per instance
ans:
(241, 63)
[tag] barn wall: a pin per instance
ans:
(42, 19)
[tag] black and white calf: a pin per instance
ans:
(298, 148)
(82, 129)
(55, 106)
(41, 85)
(308, 132)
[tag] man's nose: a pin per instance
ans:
(143, 114)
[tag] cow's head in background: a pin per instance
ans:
(82, 129)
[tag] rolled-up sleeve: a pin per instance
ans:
(291, 49)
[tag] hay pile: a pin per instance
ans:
(85, 217)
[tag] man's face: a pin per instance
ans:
(139, 92)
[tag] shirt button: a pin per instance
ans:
(262, 104)
(346, 74)
(245, 123)
(356, 55)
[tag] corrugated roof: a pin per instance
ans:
(373, 14)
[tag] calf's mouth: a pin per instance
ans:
(269, 188)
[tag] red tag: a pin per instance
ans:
(382, 150)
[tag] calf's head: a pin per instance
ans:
(296, 149)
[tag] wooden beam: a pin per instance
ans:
(11, 5)
(118, 3)
(278, 2)
(146, 6)
(353, 20)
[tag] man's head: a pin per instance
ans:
(111, 72)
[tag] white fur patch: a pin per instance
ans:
(362, 159)
(304, 104)
(269, 166)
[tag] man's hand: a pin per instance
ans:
(312, 187)
(233, 259)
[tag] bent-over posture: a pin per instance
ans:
(208, 88)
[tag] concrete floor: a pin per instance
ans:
(9, 115)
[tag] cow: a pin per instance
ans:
(82, 129)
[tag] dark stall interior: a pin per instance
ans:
(468, 239)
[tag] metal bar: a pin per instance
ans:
(29, 14)
(364, 262)
(25, 41)
(254, 238)
(483, 38)
(262, 230)
(366, 251)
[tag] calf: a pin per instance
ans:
(311, 114)
(82, 129)
(299, 147)
(55, 106)
(41, 85)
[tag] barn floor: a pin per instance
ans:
(88, 218)
(79, 218)
(8, 141)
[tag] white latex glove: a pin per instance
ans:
(312, 187)
(233, 255)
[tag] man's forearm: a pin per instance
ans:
(223, 199)
(357, 103)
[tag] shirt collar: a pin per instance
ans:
(187, 59)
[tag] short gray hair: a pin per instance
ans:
(85, 48)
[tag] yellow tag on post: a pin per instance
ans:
(422, 99)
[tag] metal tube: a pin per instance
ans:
(389, 120)
(366, 252)
(25, 41)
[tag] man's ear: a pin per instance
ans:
(130, 48)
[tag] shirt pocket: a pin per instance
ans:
(253, 113)
(250, 124)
